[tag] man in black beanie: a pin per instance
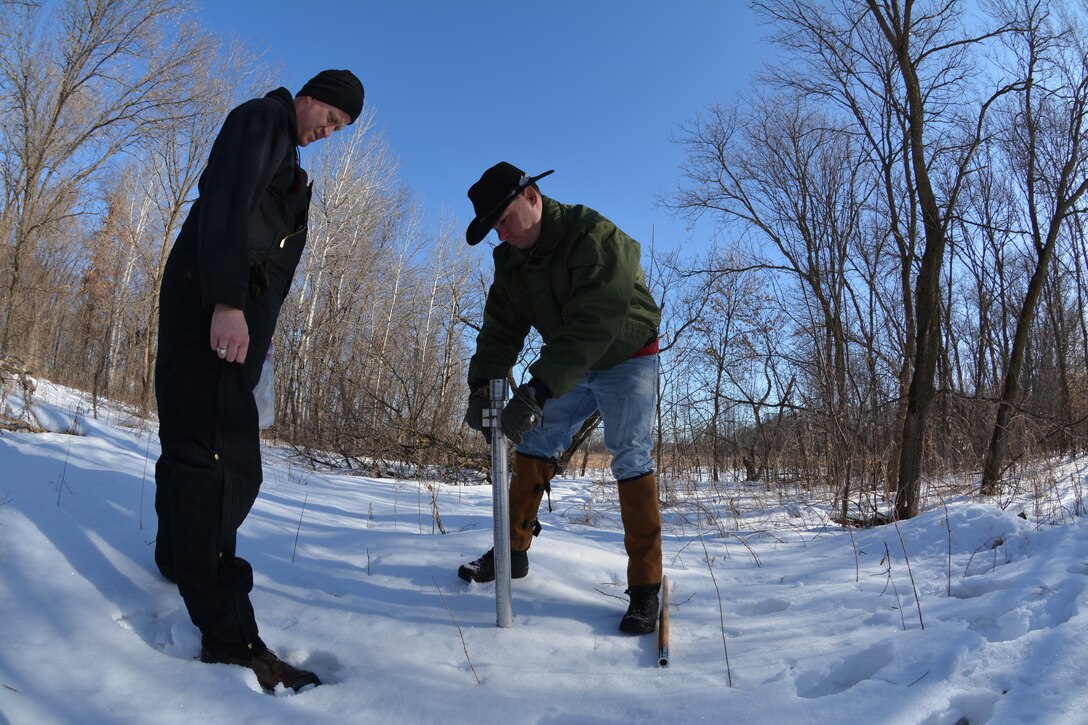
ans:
(323, 102)
(225, 280)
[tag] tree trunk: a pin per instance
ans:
(1010, 392)
(920, 394)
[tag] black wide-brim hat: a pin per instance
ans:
(490, 196)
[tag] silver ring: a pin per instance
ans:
(221, 351)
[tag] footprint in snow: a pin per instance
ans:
(767, 606)
(170, 632)
(324, 663)
(846, 673)
(1004, 616)
(975, 708)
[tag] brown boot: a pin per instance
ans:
(528, 481)
(270, 669)
(641, 517)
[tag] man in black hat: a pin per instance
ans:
(225, 279)
(574, 276)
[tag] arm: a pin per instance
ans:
(244, 158)
(246, 154)
(501, 337)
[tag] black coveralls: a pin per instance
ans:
(239, 246)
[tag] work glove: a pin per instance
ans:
(525, 411)
(479, 400)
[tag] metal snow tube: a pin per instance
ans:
(663, 625)
(500, 483)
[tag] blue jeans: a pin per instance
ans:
(626, 395)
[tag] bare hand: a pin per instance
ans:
(229, 334)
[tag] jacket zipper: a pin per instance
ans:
(297, 231)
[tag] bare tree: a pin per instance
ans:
(906, 73)
(1047, 140)
(916, 40)
(791, 177)
(79, 83)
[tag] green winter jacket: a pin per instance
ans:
(582, 287)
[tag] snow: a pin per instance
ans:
(355, 581)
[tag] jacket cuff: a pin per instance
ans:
(224, 294)
(540, 391)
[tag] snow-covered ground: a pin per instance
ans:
(965, 614)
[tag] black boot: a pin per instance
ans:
(483, 569)
(641, 617)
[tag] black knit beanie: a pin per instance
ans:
(338, 88)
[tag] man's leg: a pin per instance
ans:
(164, 538)
(528, 481)
(214, 583)
(641, 515)
(532, 473)
(210, 474)
(627, 396)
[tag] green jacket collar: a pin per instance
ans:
(552, 227)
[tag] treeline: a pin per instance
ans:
(108, 111)
(903, 293)
(905, 289)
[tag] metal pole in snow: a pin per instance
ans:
(663, 625)
(500, 507)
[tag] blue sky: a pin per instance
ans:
(593, 88)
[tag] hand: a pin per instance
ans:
(523, 413)
(229, 334)
(478, 401)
